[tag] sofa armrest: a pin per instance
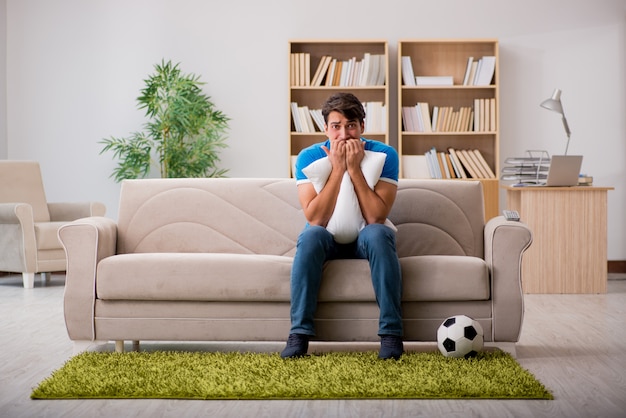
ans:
(86, 241)
(17, 238)
(505, 244)
(70, 211)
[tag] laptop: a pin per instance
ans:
(564, 170)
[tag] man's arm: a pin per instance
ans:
(318, 208)
(375, 204)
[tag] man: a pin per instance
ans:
(345, 149)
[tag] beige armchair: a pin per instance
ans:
(29, 243)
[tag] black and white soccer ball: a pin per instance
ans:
(460, 336)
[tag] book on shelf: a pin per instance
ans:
(408, 77)
(300, 68)
(468, 71)
(480, 118)
(416, 118)
(485, 115)
(307, 120)
(455, 164)
(320, 72)
(479, 72)
(485, 71)
(443, 80)
(302, 118)
(375, 120)
(415, 167)
(369, 71)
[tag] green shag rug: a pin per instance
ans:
(205, 375)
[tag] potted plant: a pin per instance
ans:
(184, 131)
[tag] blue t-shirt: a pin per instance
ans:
(315, 152)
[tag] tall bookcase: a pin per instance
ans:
(450, 58)
(304, 59)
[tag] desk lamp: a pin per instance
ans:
(554, 104)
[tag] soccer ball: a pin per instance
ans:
(460, 336)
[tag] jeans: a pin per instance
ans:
(315, 246)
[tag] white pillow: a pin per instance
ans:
(347, 219)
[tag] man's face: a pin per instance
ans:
(339, 128)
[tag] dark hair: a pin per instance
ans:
(345, 103)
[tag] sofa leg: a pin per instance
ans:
(29, 280)
(119, 346)
(45, 277)
(135, 345)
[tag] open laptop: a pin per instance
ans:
(564, 170)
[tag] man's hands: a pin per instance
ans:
(346, 154)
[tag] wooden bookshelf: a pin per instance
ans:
(450, 58)
(309, 54)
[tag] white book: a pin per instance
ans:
(436, 80)
(425, 109)
(485, 72)
(468, 70)
(415, 167)
(408, 77)
(296, 117)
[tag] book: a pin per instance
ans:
(435, 117)
(330, 76)
(321, 70)
(483, 163)
(486, 71)
(295, 117)
(477, 165)
(468, 70)
(434, 80)
(443, 165)
(472, 74)
(408, 77)
(456, 162)
(415, 167)
(424, 110)
(433, 163)
(467, 164)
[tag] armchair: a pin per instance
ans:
(29, 225)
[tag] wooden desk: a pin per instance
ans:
(569, 226)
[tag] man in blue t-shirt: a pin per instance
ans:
(345, 153)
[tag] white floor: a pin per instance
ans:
(574, 344)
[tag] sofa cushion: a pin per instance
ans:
(425, 279)
(194, 277)
(445, 278)
(46, 235)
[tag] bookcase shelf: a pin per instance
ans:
(313, 96)
(450, 58)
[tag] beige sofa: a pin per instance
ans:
(210, 260)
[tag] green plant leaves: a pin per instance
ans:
(183, 134)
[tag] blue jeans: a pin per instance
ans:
(377, 244)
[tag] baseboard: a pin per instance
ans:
(616, 266)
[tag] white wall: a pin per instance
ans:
(3, 79)
(74, 69)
